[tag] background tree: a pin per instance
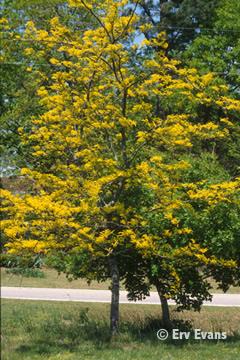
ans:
(183, 20)
(18, 98)
(218, 50)
(204, 35)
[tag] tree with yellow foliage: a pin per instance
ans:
(108, 151)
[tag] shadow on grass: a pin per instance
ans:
(61, 332)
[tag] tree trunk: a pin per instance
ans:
(114, 313)
(165, 309)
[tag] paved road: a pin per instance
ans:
(84, 295)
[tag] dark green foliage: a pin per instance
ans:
(181, 19)
(219, 50)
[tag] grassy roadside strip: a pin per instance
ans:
(51, 279)
(71, 331)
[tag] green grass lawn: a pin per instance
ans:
(37, 330)
(52, 279)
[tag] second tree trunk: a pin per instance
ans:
(165, 309)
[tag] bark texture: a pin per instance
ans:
(165, 308)
(114, 313)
